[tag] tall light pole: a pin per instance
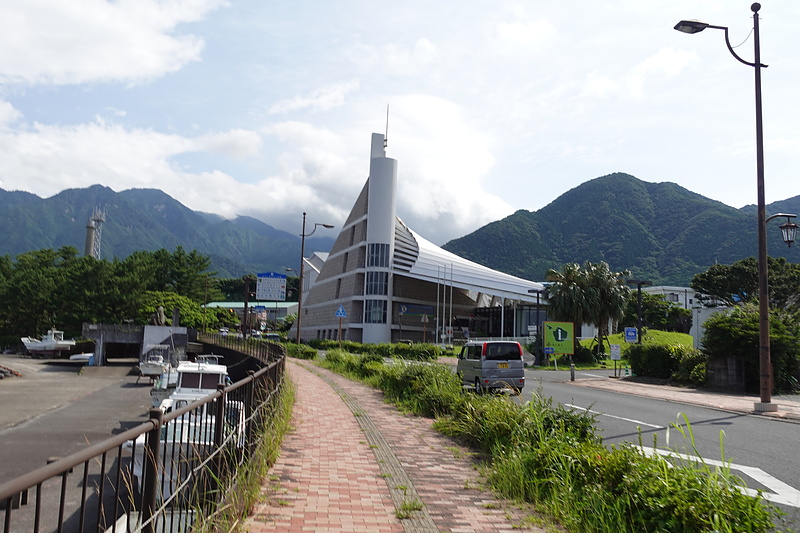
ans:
(303, 236)
(765, 364)
(639, 283)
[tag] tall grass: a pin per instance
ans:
(551, 456)
(245, 489)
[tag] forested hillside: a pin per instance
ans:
(660, 231)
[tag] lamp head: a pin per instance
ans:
(789, 231)
(329, 226)
(691, 26)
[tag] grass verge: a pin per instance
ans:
(245, 489)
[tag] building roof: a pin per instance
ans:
(423, 260)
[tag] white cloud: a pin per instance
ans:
(237, 144)
(8, 114)
(57, 42)
(666, 63)
(324, 99)
(531, 34)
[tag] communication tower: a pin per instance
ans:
(94, 233)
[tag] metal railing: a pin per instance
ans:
(160, 475)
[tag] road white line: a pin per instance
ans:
(631, 420)
(590, 375)
(779, 492)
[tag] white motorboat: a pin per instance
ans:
(192, 433)
(53, 342)
(155, 361)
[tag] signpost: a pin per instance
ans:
(616, 354)
(631, 335)
(559, 339)
(340, 314)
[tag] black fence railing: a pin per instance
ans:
(159, 476)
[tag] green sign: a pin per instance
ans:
(559, 338)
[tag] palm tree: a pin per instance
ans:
(607, 296)
(589, 295)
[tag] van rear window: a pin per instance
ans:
(503, 351)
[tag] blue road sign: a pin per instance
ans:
(631, 335)
(341, 313)
(549, 349)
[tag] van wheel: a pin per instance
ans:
(478, 389)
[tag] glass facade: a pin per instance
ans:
(377, 283)
(378, 255)
(375, 311)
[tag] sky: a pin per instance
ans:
(266, 109)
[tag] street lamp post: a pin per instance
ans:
(303, 236)
(765, 364)
(639, 283)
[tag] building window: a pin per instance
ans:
(378, 255)
(375, 311)
(338, 287)
(377, 283)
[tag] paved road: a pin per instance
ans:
(53, 410)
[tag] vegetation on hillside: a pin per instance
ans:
(659, 231)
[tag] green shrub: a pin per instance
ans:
(653, 361)
(736, 334)
(584, 355)
(690, 368)
(417, 351)
(300, 351)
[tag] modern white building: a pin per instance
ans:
(391, 284)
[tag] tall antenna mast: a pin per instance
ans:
(386, 137)
(97, 219)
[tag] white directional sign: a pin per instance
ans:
(271, 286)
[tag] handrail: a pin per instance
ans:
(267, 378)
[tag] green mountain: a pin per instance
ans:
(659, 231)
(146, 219)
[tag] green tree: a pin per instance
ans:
(32, 302)
(657, 313)
(566, 297)
(607, 294)
(738, 283)
(593, 294)
(189, 312)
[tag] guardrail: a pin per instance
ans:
(158, 476)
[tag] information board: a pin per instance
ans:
(271, 286)
(560, 336)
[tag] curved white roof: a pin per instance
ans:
(423, 260)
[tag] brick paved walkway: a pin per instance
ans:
(353, 463)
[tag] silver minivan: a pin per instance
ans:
(489, 365)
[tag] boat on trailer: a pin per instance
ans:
(51, 343)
